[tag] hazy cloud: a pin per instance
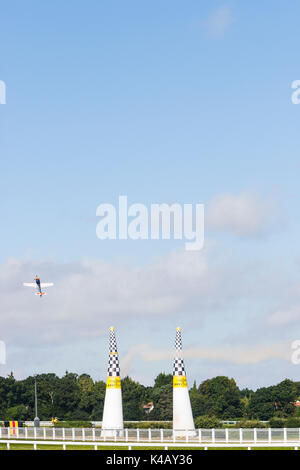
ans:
(88, 293)
(283, 317)
(219, 21)
(235, 354)
(245, 214)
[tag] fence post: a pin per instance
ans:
(34, 446)
(241, 435)
(73, 434)
(83, 434)
(94, 435)
(213, 436)
(161, 435)
(270, 435)
(44, 434)
(96, 447)
(64, 446)
(138, 435)
(35, 432)
(255, 435)
(149, 434)
(284, 435)
(126, 435)
(64, 434)
(26, 432)
(226, 435)
(8, 445)
(200, 435)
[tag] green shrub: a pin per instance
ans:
(250, 424)
(277, 423)
(147, 425)
(207, 422)
(73, 424)
(292, 422)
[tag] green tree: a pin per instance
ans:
(163, 379)
(277, 400)
(134, 395)
(67, 396)
(162, 398)
(220, 397)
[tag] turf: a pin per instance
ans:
(109, 448)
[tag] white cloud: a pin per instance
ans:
(90, 295)
(285, 316)
(245, 214)
(219, 21)
(235, 354)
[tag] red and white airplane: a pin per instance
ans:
(39, 285)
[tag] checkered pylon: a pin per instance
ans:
(178, 340)
(113, 360)
(178, 368)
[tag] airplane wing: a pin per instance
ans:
(29, 284)
(46, 284)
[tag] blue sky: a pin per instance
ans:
(162, 102)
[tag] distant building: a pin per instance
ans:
(148, 407)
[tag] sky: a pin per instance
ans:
(164, 102)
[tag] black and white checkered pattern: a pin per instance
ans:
(113, 360)
(113, 366)
(178, 368)
(112, 341)
(178, 340)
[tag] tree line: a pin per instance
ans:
(78, 397)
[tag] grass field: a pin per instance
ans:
(110, 448)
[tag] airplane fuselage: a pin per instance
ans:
(38, 283)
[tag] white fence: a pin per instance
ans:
(208, 436)
(38, 445)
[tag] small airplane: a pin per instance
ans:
(39, 285)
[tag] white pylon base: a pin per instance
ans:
(183, 422)
(112, 423)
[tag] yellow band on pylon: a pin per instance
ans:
(179, 381)
(113, 382)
